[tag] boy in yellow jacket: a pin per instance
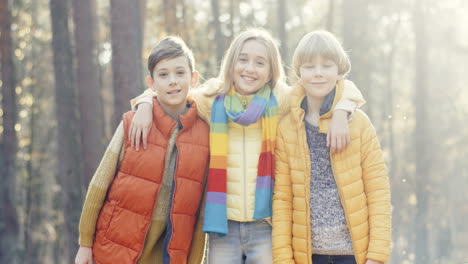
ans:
(327, 207)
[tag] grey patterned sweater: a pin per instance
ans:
(330, 234)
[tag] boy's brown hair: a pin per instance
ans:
(169, 48)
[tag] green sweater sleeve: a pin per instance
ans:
(98, 186)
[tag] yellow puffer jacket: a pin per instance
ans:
(361, 179)
(244, 150)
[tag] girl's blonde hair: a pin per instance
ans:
(226, 74)
(320, 43)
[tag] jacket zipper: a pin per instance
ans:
(343, 204)
(245, 172)
(308, 165)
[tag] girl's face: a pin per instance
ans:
(319, 76)
(252, 69)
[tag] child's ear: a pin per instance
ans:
(150, 82)
(194, 81)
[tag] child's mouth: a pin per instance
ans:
(248, 78)
(173, 92)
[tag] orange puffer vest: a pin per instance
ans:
(127, 212)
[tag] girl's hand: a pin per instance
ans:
(141, 126)
(370, 261)
(338, 133)
(84, 256)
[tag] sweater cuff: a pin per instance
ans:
(86, 240)
(346, 105)
(145, 97)
(378, 257)
(135, 102)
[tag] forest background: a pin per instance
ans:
(69, 68)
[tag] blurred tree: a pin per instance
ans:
(89, 88)
(40, 216)
(356, 39)
(142, 7)
(126, 54)
(331, 16)
(232, 5)
(170, 16)
(282, 12)
(9, 145)
(219, 38)
(421, 137)
(184, 31)
(68, 133)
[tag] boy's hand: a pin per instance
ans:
(338, 133)
(84, 255)
(141, 125)
(370, 261)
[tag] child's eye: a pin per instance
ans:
(241, 59)
(181, 73)
(162, 74)
(261, 63)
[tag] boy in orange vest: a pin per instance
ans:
(143, 206)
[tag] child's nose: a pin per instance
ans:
(250, 66)
(172, 79)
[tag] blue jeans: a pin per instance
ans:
(333, 259)
(246, 242)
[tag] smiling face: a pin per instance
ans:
(252, 68)
(319, 76)
(172, 79)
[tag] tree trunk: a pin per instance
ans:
(68, 147)
(331, 16)
(356, 39)
(393, 169)
(232, 8)
(142, 8)
(421, 132)
(185, 22)
(9, 228)
(170, 16)
(282, 34)
(91, 106)
(126, 55)
(218, 34)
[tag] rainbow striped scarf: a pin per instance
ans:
(265, 106)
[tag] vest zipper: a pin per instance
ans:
(147, 229)
(173, 194)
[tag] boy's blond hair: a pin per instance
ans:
(226, 74)
(320, 43)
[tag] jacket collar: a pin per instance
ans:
(166, 124)
(298, 102)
